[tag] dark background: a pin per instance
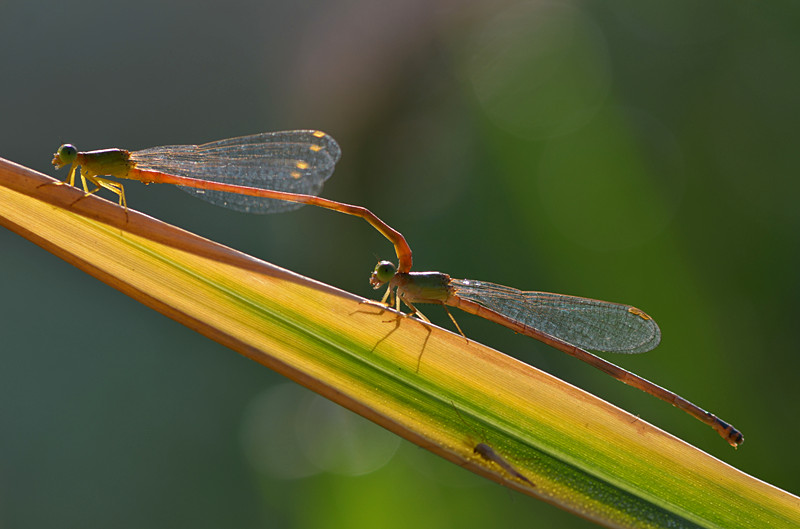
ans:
(640, 154)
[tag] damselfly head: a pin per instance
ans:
(65, 155)
(383, 273)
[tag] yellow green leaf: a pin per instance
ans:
(468, 403)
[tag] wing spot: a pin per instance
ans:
(637, 312)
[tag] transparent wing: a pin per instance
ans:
(297, 161)
(587, 323)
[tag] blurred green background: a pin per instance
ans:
(625, 151)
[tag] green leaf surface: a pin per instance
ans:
(441, 391)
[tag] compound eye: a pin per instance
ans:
(384, 271)
(67, 153)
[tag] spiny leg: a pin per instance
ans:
(105, 183)
(394, 299)
(69, 180)
(388, 295)
(383, 304)
(414, 310)
(455, 322)
(71, 176)
(421, 316)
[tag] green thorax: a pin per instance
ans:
(106, 162)
(423, 287)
